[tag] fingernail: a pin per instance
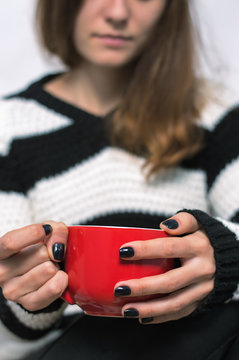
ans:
(147, 320)
(47, 228)
(171, 224)
(126, 252)
(131, 312)
(58, 251)
(122, 291)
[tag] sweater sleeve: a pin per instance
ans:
(222, 225)
(224, 237)
(15, 212)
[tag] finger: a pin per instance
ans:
(181, 223)
(16, 240)
(57, 242)
(173, 303)
(166, 283)
(29, 282)
(22, 262)
(46, 294)
(169, 317)
(168, 247)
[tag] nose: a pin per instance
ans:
(117, 12)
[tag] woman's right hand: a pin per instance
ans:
(29, 274)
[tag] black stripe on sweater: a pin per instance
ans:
(224, 145)
(221, 146)
(130, 219)
(9, 319)
(235, 217)
(37, 92)
(8, 178)
(38, 157)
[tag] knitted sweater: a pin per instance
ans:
(56, 163)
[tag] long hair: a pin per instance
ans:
(159, 113)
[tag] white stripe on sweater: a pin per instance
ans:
(22, 118)
(15, 211)
(40, 321)
(234, 227)
(224, 191)
(112, 181)
(14, 348)
(224, 101)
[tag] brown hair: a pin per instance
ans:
(158, 115)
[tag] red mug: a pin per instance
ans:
(93, 265)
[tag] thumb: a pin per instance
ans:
(180, 224)
(56, 242)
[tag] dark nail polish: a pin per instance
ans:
(126, 252)
(58, 251)
(47, 228)
(171, 224)
(147, 320)
(131, 312)
(122, 291)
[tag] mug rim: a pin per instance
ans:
(115, 227)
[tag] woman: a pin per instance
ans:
(120, 139)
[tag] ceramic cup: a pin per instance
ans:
(93, 265)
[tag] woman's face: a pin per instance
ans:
(114, 32)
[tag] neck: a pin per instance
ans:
(96, 89)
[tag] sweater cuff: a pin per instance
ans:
(226, 253)
(30, 325)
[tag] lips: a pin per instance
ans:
(114, 36)
(113, 40)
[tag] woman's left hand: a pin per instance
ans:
(184, 288)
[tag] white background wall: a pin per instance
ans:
(21, 60)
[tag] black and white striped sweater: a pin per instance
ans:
(56, 163)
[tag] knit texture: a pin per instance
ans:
(57, 164)
(226, 253)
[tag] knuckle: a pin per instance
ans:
(43, 253)
(209, 287)
(141, 287)
(187, 220)
(202, 246)
(3, 274)
(29, 305)
(209, 269)
(141, 248)
(172, 284)
(61, 229)
(49, 268)
(168, 248)
(182, 314)
(55, 288)
(178, 306)
(64, 278)
(10, 293)
(62, 225)
(35, 231)
(30, 302)
(9, 242)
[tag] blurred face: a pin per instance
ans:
(114, 32)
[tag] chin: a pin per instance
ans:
(113, 63)
(111, 59)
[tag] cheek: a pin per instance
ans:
(83, 19)
(147, 21)
(146, 29)
(80, 33)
